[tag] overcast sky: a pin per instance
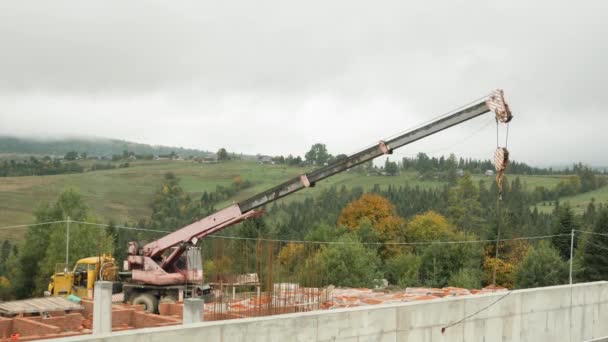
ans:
(274, 77)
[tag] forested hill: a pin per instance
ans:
(92, 147)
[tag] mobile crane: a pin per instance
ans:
(165, 267)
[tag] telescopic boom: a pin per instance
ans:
(238, 212)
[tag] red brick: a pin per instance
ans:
(145, 320)
(69, 322)
(171, 309)
(29, 327)
(6, 327)
(122, 317)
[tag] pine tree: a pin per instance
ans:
(563, 226)
(595, 255)
(542, 266)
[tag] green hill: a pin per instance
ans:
(92, 146)
(124, 194)
(579, 202)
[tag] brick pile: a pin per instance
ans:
(353, 297)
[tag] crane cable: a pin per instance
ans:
(501, 161)
(497, 103)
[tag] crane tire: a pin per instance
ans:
(149, 302)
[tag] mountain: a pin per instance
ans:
(91, 146)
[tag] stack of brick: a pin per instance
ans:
(352, 297)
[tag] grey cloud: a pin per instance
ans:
(285, 74)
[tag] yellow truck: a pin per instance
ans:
(81, 280)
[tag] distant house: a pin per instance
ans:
(489, 173)
(265, 160)
(207, 160)
(460, 172)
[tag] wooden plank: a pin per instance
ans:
(38, 305)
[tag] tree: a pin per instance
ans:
(375, 211)
(594, 256)
(371, 206)
(464, 208)
(5, 288)
(290, 256)
(423, 163)
(511, 254)
(222, 154)
(429, 226)
(468, 278)
(542, 266)
(347, 263)
(564, 223)
(72, 155)
(317, 155)
(85, 241)
(451, 166)
(171, 207)
(440, 262)
(390, 168)
(403, 270)
(35, 263)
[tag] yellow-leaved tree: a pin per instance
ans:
(379, 212)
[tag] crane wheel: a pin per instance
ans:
(149, 302)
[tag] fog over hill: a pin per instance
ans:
(93, 146)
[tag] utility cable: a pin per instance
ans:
(590, 232)
(598, 246)
(386, 243)
(32, 225)
(123, 227)
(475, 313)
(310, 242)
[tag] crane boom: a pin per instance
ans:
(383, 147)
(149, 258)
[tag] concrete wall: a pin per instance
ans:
(560, 313)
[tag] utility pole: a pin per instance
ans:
(571, 252)
(67, 243)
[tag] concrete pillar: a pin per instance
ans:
(102, 309)
(193, 310)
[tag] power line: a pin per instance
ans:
(305, 241)
(475, 313)
(590, 232)
(388, 243)
(31, 225)
(598, 246)
(122, 227)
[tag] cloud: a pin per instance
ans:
(275, 77)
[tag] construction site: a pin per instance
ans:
(55, 317)
(161, 284)
(340, 171)
(149, 287)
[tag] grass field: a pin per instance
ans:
(579, 202)
(124, 194)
